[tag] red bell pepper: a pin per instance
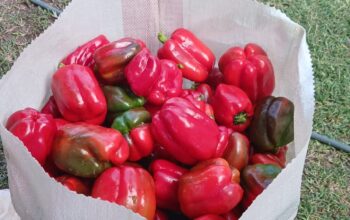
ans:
(208, 188)
(197, 99)
(51, 108)
(78, 94)
(237, 151)
(210, 217)
(140, 142)
(86, 150)
(156, 80)
(194, 58)
(234, 214)
(215, 78)
(83, 55)
(166, 177)
(223, 141)
(160, 215)
(249, 69)
(256, 178)
(36, 130)
(278, 158)
(127, 185)
(112, 58)
(75, 184)
(232, 107)
(60, 122)
(206, 92)
(180, 128)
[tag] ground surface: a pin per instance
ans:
(326, 180)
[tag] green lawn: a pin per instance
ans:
(326, 180)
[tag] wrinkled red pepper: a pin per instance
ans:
(75, 184)
(78, 94)
(51, 108)
(249, 69)
(208, 188)
(237, 151)
(278, 158)
(197, 99)
(112, 58)
(86, 150)
(36, 130)
(156, 80)
(232, 107)
(194, 58)
(127, 185)
(180, 128)
(83, 55)
(166, 177)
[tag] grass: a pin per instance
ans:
(326, 179)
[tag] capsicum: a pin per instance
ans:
(156, 80)
(75, 184)
(278, 158)
(36, 130)
(256, 178)
(166, 177)
(232, 107)
(160, 215)
(237, 151)
(198, 100)
(273, 123)
(127, 185)
(249, 69)
(121, 99)
(112, 58)
(215, 78)
(86, 150)
(180, 128)
(210, 217)
(51, 108)
(78, 95)
(134, 125)
(194, 58)
(208, 188)
(83, 55)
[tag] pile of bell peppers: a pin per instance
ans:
(120, 125)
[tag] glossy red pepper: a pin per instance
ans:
(223, 141)
(197, 99)
(127, 185)
(60, 122)
(86, 150)
(234, 214)
(51, 108)
(206, 91)
(208, 188)
(156, 80)
(166, 177)
(215, 78)
(180, 127)
(278, 158)
(249, 69)
(75, 184)
(195, 59)
(36, 130)
(256, 178)
(78, 94)
(112, 58)
(210, 217)
(237, 151)
(140, 142)
(83, 55)
(160, 215)
(232, 107)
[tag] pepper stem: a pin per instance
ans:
(162, 37)
(240, 118)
